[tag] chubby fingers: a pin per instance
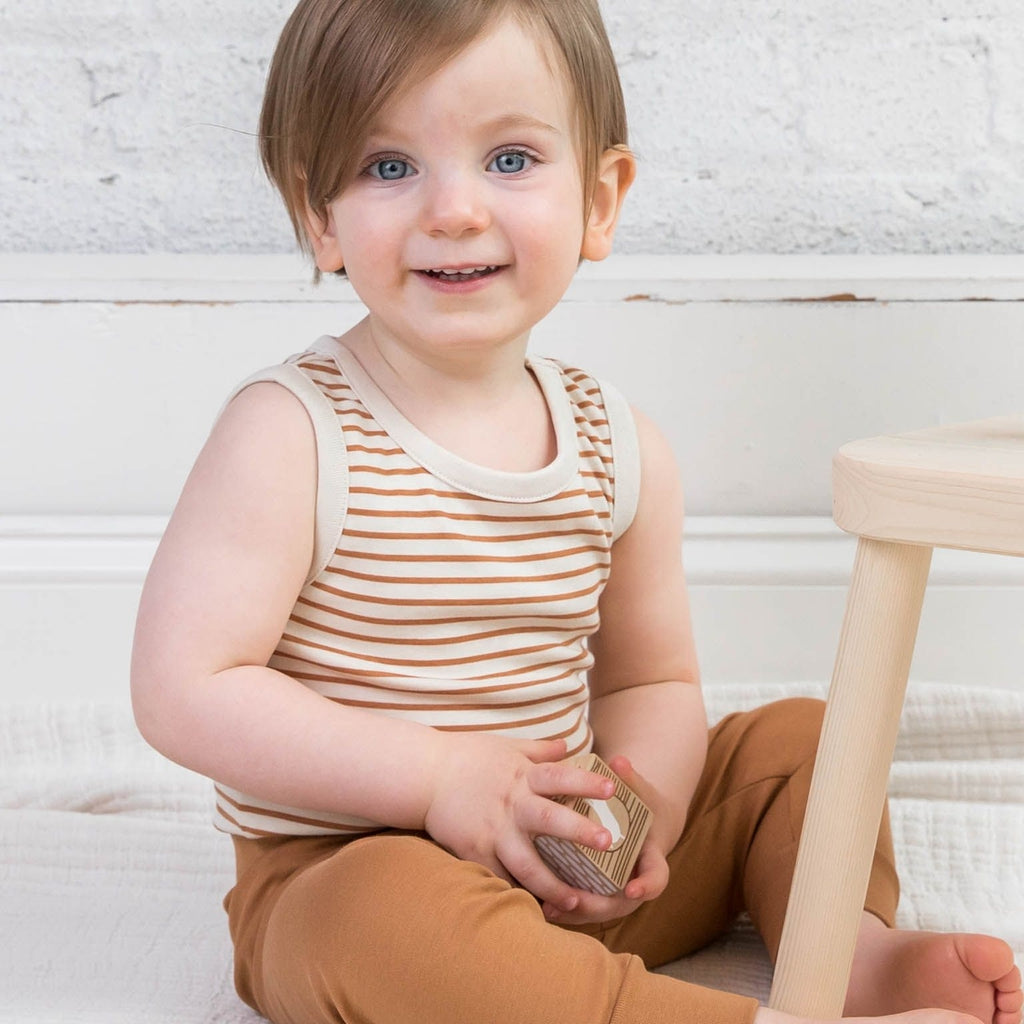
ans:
(650, 877)
(544, 815)
(543, 751)
(623, 767)
(521, 860)
(554, 818)
(592, 908)
(565, 779)
(647, 883)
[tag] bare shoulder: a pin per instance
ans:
(262, 418)
(659, 515)
(653, 442)
(255, 478)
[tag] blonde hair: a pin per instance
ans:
(338, 63)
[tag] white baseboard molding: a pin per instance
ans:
(768, 595)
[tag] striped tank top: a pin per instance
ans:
(443, 592)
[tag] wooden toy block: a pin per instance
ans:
(624, 814)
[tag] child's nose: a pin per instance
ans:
(454, 205)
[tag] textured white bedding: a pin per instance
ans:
(111, 874)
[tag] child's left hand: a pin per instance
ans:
(650, 876)
(649, 880)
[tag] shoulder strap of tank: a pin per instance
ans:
(331, 457)
(626, 453)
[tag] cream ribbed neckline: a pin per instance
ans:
(483, 481)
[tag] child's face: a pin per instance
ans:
(465, 225)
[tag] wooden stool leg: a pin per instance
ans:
(850, 776)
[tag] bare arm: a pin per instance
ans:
(219, 593)
(646, 703)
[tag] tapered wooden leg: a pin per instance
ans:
(850, 776)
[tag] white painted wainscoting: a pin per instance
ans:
(758, 368)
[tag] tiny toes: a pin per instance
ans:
(987, 958)
(1009, 982)
(1010, 1002)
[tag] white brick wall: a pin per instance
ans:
(785, 126)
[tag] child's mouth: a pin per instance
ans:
(459, 276)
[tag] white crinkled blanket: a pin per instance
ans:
(111, 874)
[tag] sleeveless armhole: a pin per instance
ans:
(626, 453)
(331, 458)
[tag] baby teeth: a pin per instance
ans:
(462, 273)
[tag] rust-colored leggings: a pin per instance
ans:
(390, 928)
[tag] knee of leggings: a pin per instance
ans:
(792, 727)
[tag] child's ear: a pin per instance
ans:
(615, 173)
(323, 239)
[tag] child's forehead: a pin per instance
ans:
(511, 72)
(510, 121)
(532, 34)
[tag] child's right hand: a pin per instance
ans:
(492, 795)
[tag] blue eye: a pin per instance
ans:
(391, 169)
(511, 162)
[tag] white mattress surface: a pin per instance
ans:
(111, 874)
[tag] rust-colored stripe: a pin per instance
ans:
(582, 655)
(298, 819)
(422, 663)
(369, 683)
(356, 410)
(453, 581)
(381, 471)
(358, 428)
(367, 450)
(357, 673)
(546, 556)
(450, 620)
(526, 722)
(502, 538)
(473, 517)
(353, 702)
(419, 641)
(327, 366)
(445, 602)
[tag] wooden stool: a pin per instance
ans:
(958, 487)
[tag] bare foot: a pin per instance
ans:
(897, 970)
(766, 1016)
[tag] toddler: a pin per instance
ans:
(416, 568)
